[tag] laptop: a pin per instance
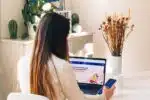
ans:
(90, 73)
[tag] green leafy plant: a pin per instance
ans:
(31, 9)
(13, 29)
(75, 19)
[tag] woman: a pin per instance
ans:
(51, 75)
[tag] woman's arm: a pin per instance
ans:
(70, 86)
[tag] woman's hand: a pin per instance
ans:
(109, 92)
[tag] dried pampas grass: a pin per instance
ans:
(116, 30)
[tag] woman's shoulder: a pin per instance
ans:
(60, 64)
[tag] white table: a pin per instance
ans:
(136, 87)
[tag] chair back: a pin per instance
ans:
(22, 96)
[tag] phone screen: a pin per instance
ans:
(110, 83)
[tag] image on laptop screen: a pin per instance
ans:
(90, 73)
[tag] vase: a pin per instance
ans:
(77, 28)
(114, 70)
(31, 31)
(114, 65)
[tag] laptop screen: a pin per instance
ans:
(89, 70)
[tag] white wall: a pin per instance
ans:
(0, 17)
(136, 55)
(11, 10)
(68, 4)
(90, 12)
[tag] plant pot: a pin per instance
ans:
(114, 70)
(114, 65)
(13, 36)
(31, 31)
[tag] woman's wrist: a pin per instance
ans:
(107, 99)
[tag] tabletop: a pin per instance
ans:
(136, 87)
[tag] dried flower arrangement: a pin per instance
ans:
(115, 31)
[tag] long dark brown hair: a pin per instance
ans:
(51, 39)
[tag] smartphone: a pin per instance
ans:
(110, 83)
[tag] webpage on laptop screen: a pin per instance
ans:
(91, 71)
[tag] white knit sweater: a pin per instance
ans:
(70, 89)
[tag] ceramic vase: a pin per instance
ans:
(114, 70)
(31, 31)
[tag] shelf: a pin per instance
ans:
(78, 35)
(25, 42)
(17, 41)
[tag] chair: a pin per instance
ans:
(23, 74)
(22, 96)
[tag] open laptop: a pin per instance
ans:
(90, 73)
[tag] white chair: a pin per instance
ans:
(22, 96)
(23, 74)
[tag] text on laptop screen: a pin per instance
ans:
(87, 70)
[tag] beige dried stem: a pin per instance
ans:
(114, 32)
(129, 32)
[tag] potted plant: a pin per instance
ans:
(13, 29)
(32, 11)
(116, 30)
(76, 27)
